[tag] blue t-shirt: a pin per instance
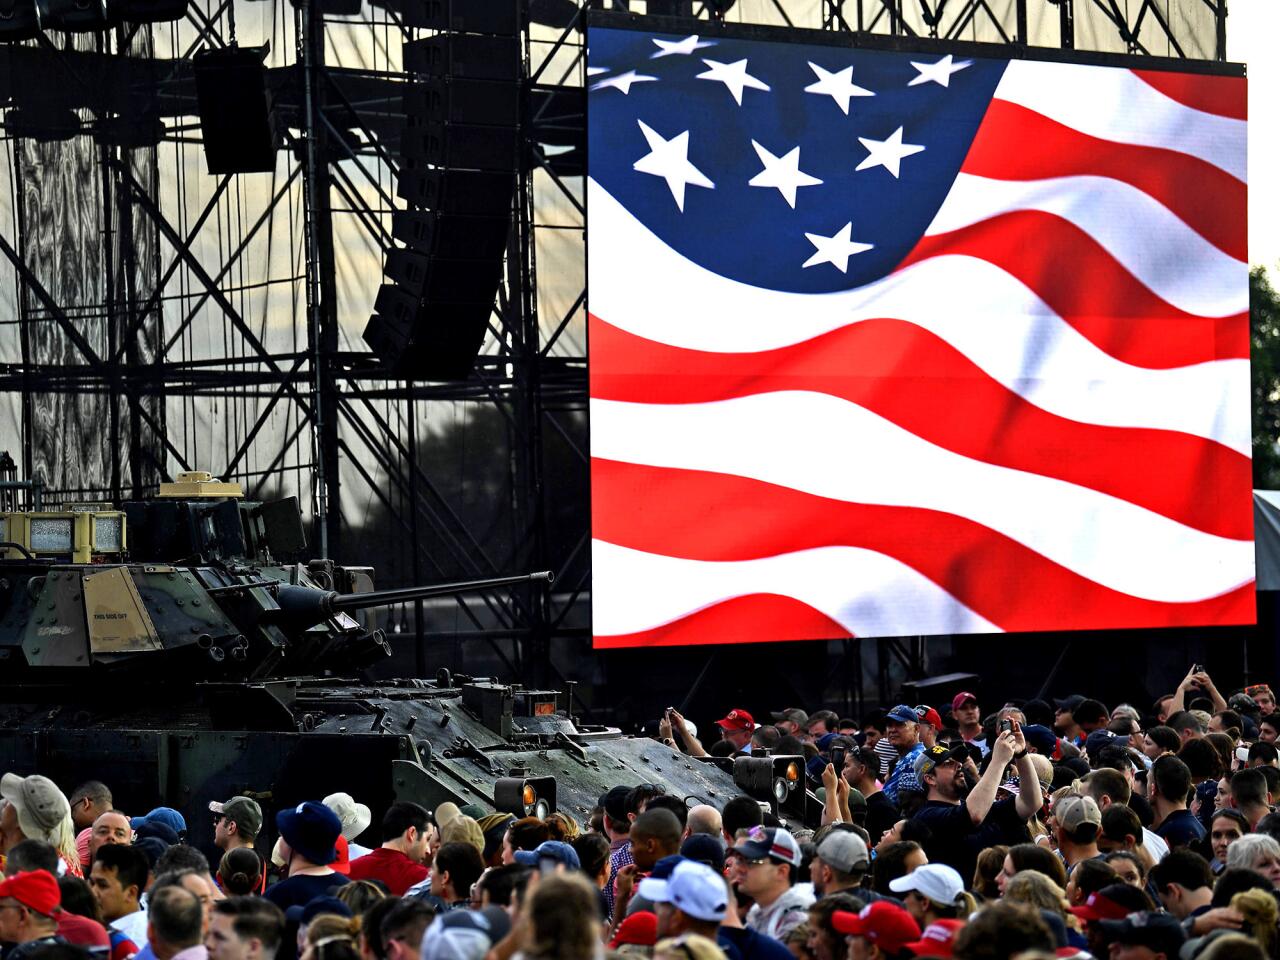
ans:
(751, 945)
(1180, 828)
(302, 889)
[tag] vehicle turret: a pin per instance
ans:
(196, 579)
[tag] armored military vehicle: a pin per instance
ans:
(177, 649)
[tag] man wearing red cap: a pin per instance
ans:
(938, 940)
(640, 928)
(928, 725)
(736, 728)
(882, 931)
(968, 716)
(29, 904)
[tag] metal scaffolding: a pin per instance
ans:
(164, 319)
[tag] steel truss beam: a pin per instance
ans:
(335, 396)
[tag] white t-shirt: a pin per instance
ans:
(1155, 845)
(355, 851)
(134, 926)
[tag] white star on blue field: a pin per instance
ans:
(799, 167)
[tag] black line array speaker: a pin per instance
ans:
(18, 21)
(459, 153)
(486, 17)
(74, 16)
(237, 121)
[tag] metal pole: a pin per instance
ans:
(419, 628)
(527, 436)
(321, 291)
(110, 297)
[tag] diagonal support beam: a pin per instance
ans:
(233, 257)
(259, 424)
(153, 301)
(46, 300)
(197, 268)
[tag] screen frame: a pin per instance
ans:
(907, 44)
(598, 19)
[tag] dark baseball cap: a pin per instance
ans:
(794, 714)
(1069, 703)
(1158, 932)
(243, 812)
(772, 843)
(555, 850)
(614, 803)
(1043, 739)
(961, 698)
(936, 755)
(704, 849)
(902, 714)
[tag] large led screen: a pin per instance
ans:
(886, 343)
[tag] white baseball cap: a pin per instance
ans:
(937, 881)
(693, 888)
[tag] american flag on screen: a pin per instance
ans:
(891, 343)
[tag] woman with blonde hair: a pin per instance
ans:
(691, 946)
(1044, 773)
(360, 895)
(561, 921)
(332, 937)
(1260, 913)
(1036, 890)
(563, 827)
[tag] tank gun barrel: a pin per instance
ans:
(304, 607)
(381, 598)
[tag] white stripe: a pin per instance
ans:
(1116, 105)
(825, 446)
(1168, 257)
(983, 312)
(867, 593)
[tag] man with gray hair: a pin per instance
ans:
(902, 733)
(175, 924)
(703, 818)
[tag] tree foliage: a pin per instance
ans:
(1264, 326)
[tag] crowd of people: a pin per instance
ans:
(1035, 830)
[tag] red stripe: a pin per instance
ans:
(700, 515)
(905, 374)
(1015, 143)
(756, 618)
(1225, 96)
(1089, 289)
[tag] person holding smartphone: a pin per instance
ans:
(965, 820)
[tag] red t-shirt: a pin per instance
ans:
(82, 931)
(392, 867)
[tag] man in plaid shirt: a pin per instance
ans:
(617, 827)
